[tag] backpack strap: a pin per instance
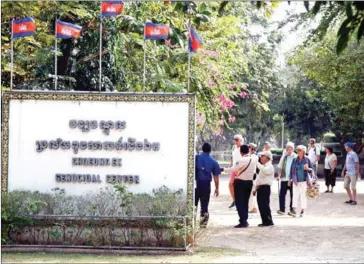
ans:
(245, 167)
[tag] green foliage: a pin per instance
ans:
(122, 40)
(340, 79)
(18, 208)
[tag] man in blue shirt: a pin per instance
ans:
(352, 173)
(206, 167)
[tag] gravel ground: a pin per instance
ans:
(331, 230)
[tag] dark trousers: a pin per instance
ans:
(263, 199)
(283, 194)
(202, 194)
(330, 177)
(242, 190)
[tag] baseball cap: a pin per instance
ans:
(349, 144)
(267, 154)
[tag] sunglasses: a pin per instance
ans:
(236, 139)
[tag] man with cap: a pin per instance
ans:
(235, 157)
(243, 184)
(262, 187)
(284, 170)
(206, 167)
(352, 174)
(314, 154)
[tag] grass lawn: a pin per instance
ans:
(200, 255)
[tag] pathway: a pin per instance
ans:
(331, 231)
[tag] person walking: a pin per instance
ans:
(284, 170)
(300, 179)
(330, 169)
(253, 199)
(262, 187)
(314, 155)
(243, 184)
(236, 156)
(206, 167)
(352, 174)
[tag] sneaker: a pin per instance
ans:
(292, 213)
(242, 225)
(349, 202)
(204, 220)
(280, 212)
(327, 191)
(232, 204)
(264, 225)
(354, 203)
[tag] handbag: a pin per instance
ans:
(314, 191)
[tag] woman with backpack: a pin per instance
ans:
(300, 179)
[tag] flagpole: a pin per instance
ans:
(189, 57)
(12, 56)
(55, 56)
(144, 47)
(100, 59)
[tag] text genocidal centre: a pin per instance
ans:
(130, 144)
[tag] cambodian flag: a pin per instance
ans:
(194, 41)
(111, 8)
(23, 27)
(156, 31)
(66, 30)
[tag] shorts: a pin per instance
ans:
(350, 181)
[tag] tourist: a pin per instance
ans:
(352, 173)
(284, 170)
(235, 157)
(314, 155)
(262, 187)
(330, 169)
(243, 184)
(206, 167)
(300, 179)
(253, 199)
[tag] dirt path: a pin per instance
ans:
(331, 231)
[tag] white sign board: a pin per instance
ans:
(84, 145)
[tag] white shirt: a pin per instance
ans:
(329, 161)
(236, 155)
(266, 174)
(313, 152)
(248, 174)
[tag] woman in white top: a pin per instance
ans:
(236, 157)
(330, 169)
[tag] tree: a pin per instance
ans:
(340, 77)
(212, 70)
(349, 13)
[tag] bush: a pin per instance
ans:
(116, 201)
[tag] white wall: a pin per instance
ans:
(32, 120)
